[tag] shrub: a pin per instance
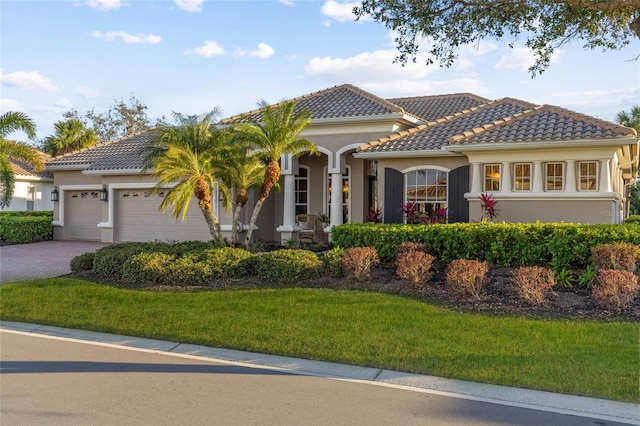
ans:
(533, 283)
(619, 256)
(465, 277)
(20, 229)
(109, 260)
(83, 262)
(227, 262)
(414, 266)
(288, 265)
(408, 246)
(358, 261)
(633, 219)
(148, 268)
(614, 289)
(332, 261)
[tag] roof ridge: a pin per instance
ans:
(360, 92)
(446, 95)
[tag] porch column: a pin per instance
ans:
(537, 177)
(505, 181)
(476, 178)
(336, 199)
(570, 184)
(288, 230)
(605, 176)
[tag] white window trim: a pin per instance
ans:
(515, 188)
(484, 177)
(596, 176)
(426, 168)
(546, 176)
(308, 179)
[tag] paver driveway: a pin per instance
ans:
(42, 259)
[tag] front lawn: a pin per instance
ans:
(580, 357)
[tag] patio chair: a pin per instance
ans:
(308, 224)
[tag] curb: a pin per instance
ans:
(538, 400)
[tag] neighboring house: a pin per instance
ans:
(441, 152)
(31, 190)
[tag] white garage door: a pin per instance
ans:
(83, 212)
(138, 218)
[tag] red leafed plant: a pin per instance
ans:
(489, 207)
(374, 215)
(409, 211)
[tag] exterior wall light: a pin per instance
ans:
(104, 194)
(55, 195)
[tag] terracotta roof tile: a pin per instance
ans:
(430, 108)
(20, 168)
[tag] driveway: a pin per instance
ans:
(42, 259)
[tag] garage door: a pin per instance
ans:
(83, 212)
(138, 218)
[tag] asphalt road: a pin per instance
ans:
(47, 380)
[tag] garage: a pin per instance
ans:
(138, 218)
(83, 213)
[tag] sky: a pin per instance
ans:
(191, 56)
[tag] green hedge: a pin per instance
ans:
(19, 229)
(557, 245)
(288, 265)
(47, 213)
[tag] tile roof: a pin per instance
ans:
(335, 102)
(544, 123)
(436, 134)
(430, 108)
(120, 154)
(20, 168)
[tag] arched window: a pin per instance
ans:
(426, 190)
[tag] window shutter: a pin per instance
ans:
(458, 206)
(393, 195)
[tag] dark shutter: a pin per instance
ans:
(393, 195)
(458, 206)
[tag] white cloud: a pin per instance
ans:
(27, 80)
(190, 5)
(287, 2)
(87, 92)
(604, 104)
(127, 38)
(105, 4)
(521, 58)
(209, 48)
(340, 12)
(7, 105)
(64, 103)
(264, 51)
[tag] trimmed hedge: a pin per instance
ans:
(288, 265)
(20, 229)
(557, 245)
(23, 213)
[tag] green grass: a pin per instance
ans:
(598, 359)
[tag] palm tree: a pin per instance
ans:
(10, 122)
(245, 171)
(192, 156)
(70, 135)
(273, 137)
(631, 118)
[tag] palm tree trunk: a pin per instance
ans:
(203, 193)
(241, 199)
(252, 222)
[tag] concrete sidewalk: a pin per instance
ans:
(43, 259)
(605, 410)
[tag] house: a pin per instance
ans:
(539, 162)
(31, 189)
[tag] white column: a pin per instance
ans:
(336, 199)
(570, 182)
(537, 177)
(289, 207)
(605, 176)
(476, 178)
(505, 179)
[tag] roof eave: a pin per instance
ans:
(63, 167)
(404, 154)
(114, 172)
(499, 146)
(396, 116)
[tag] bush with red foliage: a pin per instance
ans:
(358, 262)
(533, 284)
(466, 277)
(614, 289)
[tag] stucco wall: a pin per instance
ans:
(21, 194)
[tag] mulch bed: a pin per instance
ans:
(498, 297)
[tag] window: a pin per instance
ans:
(588, 175)
(555, 177)
(302, 190)
(428, 190)
(522, 177)
(492, 177)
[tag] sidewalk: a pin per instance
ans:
(538, 400)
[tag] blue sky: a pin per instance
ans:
(190, 56)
